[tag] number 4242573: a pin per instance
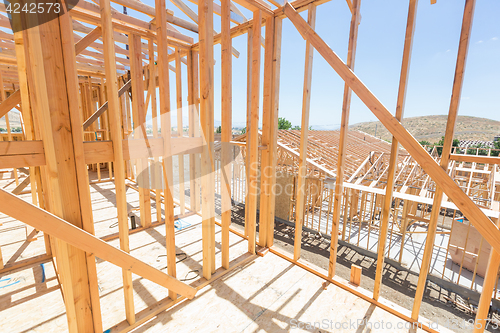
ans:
(34, 8)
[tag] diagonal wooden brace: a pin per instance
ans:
(57, 227)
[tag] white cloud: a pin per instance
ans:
(494, 38)
(479, 42)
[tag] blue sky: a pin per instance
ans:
(378, 61)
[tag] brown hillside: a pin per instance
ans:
(432, 128)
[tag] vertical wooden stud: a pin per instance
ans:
(116, 137)
(304, 133)
(251, 203)
(448, 140)
(226, 128)
(163, 79)
(346, 105)
(386, 210)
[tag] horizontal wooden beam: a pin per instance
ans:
(254, 5)
(102, 151)
(21, 161)
(67, 232)
(19, 154)
(85, 7)
(20, 147)
(482, 223)
(475, 158)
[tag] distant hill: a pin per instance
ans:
(432, 128)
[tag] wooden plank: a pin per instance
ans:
(89, 13)
(463, 202)
(254, 5)
(21, 186)
(194, 132)
(180, 127)
(139, 132)
(104, 106)
(236, 16)
(253, 151)
(152, 92)
(205, 16)
(475, 159)
(45, 51)
(7, 123)
(344, 127)
(116, 137)
(489, 284)
(11, 101)
(226, 129)
(269, 127)
(164, 84)
(20, 42)
(102, 151)
(193, 16)
(249, 117)
(273, 135)
(304, 133)
(384, 304)
(21, 147)
(59, 228)
(448, 139)
(83, 43)
(80, 168)
(166, 303)
(356, 272)
(386, 210)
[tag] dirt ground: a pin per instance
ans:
(397, 286)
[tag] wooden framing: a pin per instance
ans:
(450, 127)
(346, 105)
(161, 30)
(306, 104)
(269, 131)
(226, 128)
(71, 73)
(205, 15)
(253, 130)
(405, 69)
(116, 137)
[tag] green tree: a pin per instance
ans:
(244, 130)
(440, 144)
(425, 143)
(296, 128)
(218, 130)
(483, 152)
(284, 124)
(496, 145)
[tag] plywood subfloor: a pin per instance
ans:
(268, 294)
(271, 294)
